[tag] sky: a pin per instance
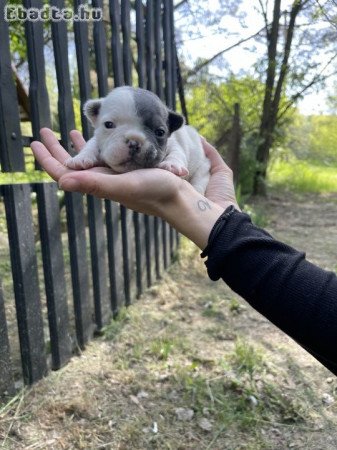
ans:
(240, 58)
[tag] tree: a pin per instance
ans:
(300, 42)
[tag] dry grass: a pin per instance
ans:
(191, 344)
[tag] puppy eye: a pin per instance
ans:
(159, 132)
(109, 124)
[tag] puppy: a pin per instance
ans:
(134, 130)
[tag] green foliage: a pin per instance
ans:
(211, 107)
(302, 176)
(314, 138)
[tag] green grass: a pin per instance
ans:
(303, 176)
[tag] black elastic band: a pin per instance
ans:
(216, 228)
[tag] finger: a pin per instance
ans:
(52, 144)
(54, 167)
(77, 139)
(120, 188)
(214, 156)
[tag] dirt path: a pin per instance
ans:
(192, 366)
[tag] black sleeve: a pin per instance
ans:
(277, 280)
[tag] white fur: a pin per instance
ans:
(184, 154)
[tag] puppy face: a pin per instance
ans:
(132, 126)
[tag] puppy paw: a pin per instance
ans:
(80, 162)
(175, 168)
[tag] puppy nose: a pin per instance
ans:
(133, 145)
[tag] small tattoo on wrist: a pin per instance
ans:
(203, 205)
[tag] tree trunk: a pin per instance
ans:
(273, 92)
(234, 143)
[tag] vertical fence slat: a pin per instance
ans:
(25, 279)
(140, 39)
(112, 216)
(126, 32)
(49, 223)
(6, 378)
(168, 36)
(73, 201)
(11, 154)
(56, 293)
(95, 213)
(158, 223)
(158, 48)
(119, 79)
(150, 241)
(100, 52)
(117, 60)
(140, 218)
(115, 255)
(133, 237)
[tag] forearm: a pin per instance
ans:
(277, 280)
(192, 214)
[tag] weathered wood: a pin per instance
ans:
(149, 40)
(65, 105)
(11, 153)
(140, 39)
(100, 52)
(25, 279)
(95, 213)
(49, 221)
(117, 59)
(168, 55)
(126, 32)
(158, 48)
(115, 256)
(157, 35)
(53, 266)
(6, 376)
(73, 201)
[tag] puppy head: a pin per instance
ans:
(132, 126)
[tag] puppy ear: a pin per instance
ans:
(175, 121)
(91, 109)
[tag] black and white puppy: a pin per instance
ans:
(134, 130)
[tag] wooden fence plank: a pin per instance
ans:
(119, 79)
(112, 211)
(126, 32)
(55, 285)
(95, 213)
(133, 237)
(73, 201)
(170, 85)
(117, 60)
(101, 59)
(158, 223)
(140, 219)
(49, 222)
(115, 255)
(6, 378)
(25, 279)
(11, 154)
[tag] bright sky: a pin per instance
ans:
(240, 58)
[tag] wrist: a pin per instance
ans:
(192, 214)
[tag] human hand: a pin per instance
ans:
(150, 191)
(220, 188)
(144, 190)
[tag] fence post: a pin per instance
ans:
(6, 378)
(234, 142)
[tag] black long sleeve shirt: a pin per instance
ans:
(277, 280)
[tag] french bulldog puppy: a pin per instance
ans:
(134, 130)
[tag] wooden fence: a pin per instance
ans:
(75, 260)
